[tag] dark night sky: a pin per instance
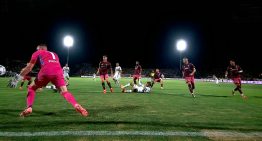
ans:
(127, 32)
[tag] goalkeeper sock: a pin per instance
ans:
(30, 96)
(69, 98)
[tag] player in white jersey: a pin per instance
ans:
(137, 88)
(94, 76)
(216, 79)
(66, 70)
(117, 75)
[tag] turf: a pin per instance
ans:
(170, 109)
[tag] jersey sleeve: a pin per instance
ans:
(34, 58)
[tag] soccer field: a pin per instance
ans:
(168, 114)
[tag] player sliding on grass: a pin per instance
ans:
(103, 68)
(233, 71)
(137, 88)
(188, 71)
(50, 71)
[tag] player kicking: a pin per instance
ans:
(158, 77)
(137, 73)
(66, 70)
(137, 88)
(188, 71)
(117, 75)
(104, 66)
(234, 72)
(50, 71)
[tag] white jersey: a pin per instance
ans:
(142, 89)
(66, 69)
(117, 72)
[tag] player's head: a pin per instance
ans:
(148, 84)
(117, 64)
(157, 70)
(137, 62)
(105, 58)
(66, 65)
(232, 62)
(185, 60)
(41, 47)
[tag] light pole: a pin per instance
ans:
(181, 46)
(68, 43)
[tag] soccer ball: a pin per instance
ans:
(2, 70)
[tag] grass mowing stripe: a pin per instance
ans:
(134, 133)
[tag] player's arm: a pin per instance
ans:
(111, 70)
(27, 69)
(98, 69)
(239, 69)
(226, 72)
(194, 69)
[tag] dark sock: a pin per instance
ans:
(239, 89)
(22, 83)
(190, 88)
(161, 85)
(134, 81)
(193, 86)
(108, 83)
(29, 82)
(103, 85)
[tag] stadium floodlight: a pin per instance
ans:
(68, 43)
(181, 46)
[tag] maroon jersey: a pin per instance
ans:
(157, 75)
(104, 67)
(188, 69)
(138, 70)
(233, 71)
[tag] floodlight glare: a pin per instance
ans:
(68, 41)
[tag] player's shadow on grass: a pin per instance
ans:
(10, 112)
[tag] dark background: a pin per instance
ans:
(130, 31)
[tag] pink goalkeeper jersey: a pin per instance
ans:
(49, 62)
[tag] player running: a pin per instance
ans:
(104, 66)
(50, 71)
(137, 88)
(137, 73)
(234, 72)
(188, 71)
(66, 70)
(158, 77)
(117, 75)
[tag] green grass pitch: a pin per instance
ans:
(170, 109)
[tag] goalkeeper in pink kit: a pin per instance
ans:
(50, 71)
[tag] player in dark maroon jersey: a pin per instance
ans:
(188, 71)
(137, 73)
(103, 68)
(234, 72)
(158, 77)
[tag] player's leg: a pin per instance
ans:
(238, 85)
(29, 82)
(59, 82)
(134, 79)
(102, 77)
(108, 83)
(39, 82)
(161, 84)
(22, 84)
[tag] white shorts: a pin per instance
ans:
(66, 75)
(116, 76)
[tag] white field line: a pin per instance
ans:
(134, 133)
